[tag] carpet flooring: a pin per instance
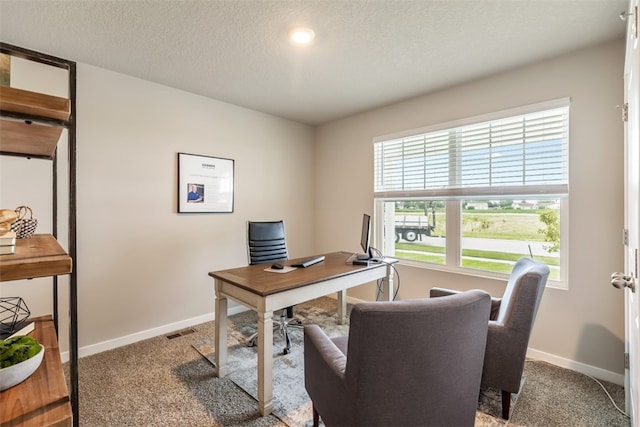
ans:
(167, 382)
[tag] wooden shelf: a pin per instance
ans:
(33, 103)
(30, 139)
(38, 256)
(29, 136)
(43, 398)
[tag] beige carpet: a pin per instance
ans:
(165, 382)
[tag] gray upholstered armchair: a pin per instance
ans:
(404, 363)
(512, 318)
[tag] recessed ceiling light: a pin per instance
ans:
(301, 35)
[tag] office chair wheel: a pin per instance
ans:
(252, 342)
(286, 351)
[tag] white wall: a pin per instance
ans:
(142, 268)
(581, 327)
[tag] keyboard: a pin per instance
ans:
(309, 262)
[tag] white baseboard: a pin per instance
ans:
(143, 335)
(582, 368)
(172, 327)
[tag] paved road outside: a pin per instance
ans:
(499, 245)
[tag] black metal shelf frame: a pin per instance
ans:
(70, 125)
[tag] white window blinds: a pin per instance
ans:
(524, 154)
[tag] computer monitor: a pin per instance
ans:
(364, 238)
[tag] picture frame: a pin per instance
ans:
(205, 184)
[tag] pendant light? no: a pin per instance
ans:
(301, 35)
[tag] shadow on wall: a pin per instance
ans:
(596, 344)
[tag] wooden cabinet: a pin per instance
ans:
(31, 125)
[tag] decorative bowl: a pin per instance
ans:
(19, 372)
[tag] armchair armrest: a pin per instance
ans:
(324, 372)
(504, 358)
(495, 307)
(443, 292)
(330, 357)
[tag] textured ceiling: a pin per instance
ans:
(366, 53)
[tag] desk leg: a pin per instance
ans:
(388, 284)
(265, 362)
(342, 307)
(220, 338)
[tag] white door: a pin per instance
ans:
(632, 216)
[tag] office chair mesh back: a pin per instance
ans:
(267, 242)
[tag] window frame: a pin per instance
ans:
(453, 202)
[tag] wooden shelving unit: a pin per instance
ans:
(31, 125)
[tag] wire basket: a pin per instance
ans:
(23, 226)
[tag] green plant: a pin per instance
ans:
(17, 349)
(551, 232)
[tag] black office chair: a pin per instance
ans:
(267, 244)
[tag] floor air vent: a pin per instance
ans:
(181, 333)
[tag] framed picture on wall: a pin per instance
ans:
(205, 184)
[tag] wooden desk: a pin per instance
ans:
(264, 292)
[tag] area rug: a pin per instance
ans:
(291, 403)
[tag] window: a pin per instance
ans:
(477, 194)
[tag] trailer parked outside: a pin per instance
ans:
(412, 227)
